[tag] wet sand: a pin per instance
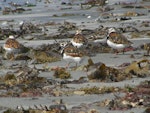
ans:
(109, 59)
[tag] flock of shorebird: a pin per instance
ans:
(71, 50)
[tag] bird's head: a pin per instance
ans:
(111, 30)
(11, 37)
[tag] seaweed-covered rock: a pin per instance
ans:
(139, 68)
(99, 71)
(62, 73)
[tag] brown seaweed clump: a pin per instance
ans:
(19, 57)
(138, 96)
(147, 110)
(60, 108)
(9, 79)
(99, 71)
(99, 90)
(43, 57)
(62, 73)
(22, 83)
(139, 68)
(135, 35)
(83, 108)
(67, 26)
(45, 53)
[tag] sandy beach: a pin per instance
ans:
(45, 26)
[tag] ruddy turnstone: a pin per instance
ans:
(78, 40)
(117, 41)
(72, 54)
(12, 46)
